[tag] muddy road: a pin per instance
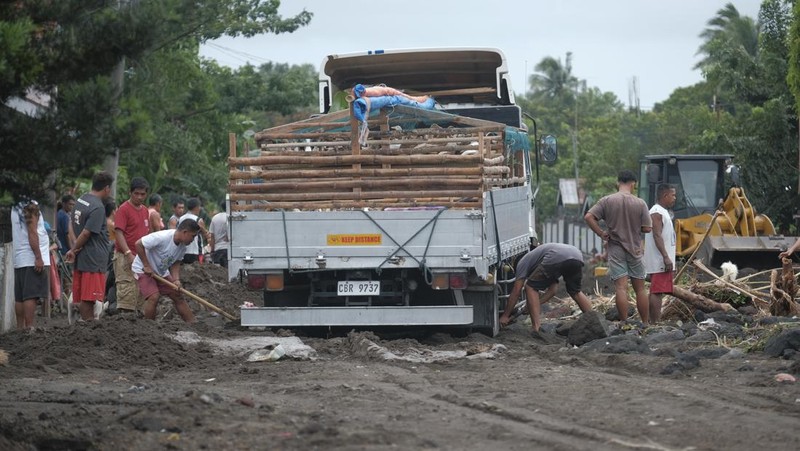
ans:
(127, 383)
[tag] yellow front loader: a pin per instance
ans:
(738, 233)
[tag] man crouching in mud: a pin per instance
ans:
(541, 268)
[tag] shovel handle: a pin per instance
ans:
(195, 297)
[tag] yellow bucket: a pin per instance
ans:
(600, 271)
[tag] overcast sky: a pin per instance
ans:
(612, 41)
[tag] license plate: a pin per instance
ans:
(358, 288)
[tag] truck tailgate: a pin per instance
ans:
(356, 238)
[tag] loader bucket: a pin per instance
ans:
(745, 252)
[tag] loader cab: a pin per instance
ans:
(699, 181)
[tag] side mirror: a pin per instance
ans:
(548, 149)
(653, 174)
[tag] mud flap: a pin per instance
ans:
(485, 307)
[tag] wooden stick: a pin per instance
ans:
(742, 279)
(195, 297)
(781, 304)
(756, 296)
(232, 145)
(263, 136)
(299, 197)
(698, 301)
(338, 205)
(323, 186)
(364, 172)
(329, 148)
(454, 92)
(787, 279)
(315, 159)
(699, 245)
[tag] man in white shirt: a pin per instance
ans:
(31, 261)
(219, 237)
(195, 248)
(659, 250)
(161, 253)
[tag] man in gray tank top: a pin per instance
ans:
(539, 270)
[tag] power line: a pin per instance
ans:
(242, 56)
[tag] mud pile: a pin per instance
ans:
(210, 282)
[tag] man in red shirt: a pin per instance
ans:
(131, 222)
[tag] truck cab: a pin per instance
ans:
(470, 82)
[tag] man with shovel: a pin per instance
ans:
(159, 254)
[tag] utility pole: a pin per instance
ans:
(575, 138)
(111, 162)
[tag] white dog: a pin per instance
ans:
(729, 272)
(99, 309)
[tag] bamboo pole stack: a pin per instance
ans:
(424, 159)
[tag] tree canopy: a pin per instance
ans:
(126, 76)
(163, 105)
(745, 63)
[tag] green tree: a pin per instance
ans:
(554, 80)
(73, 45)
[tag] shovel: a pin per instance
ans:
(195, 297)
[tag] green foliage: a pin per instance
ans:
(17, 69)
(165, 116)
(192, 105)
(745, 65)
(793, 78)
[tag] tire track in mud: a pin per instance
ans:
(723, 393)
(706, 411)
(528, 427)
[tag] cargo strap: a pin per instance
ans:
(496, 231)
(286, 240)
(422, 263)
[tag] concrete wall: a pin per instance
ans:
(574, 232)
(8, 319)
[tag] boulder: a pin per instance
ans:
(619, 344)
(612, 315)
(788, 340)
(708, 353)
(684, 362)
(664, 336)
(590, 326)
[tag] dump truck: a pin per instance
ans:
(412, 218)
(704, 185)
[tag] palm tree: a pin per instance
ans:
(731, 53)
(554, 80)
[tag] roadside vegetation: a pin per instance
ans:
(172, 110)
